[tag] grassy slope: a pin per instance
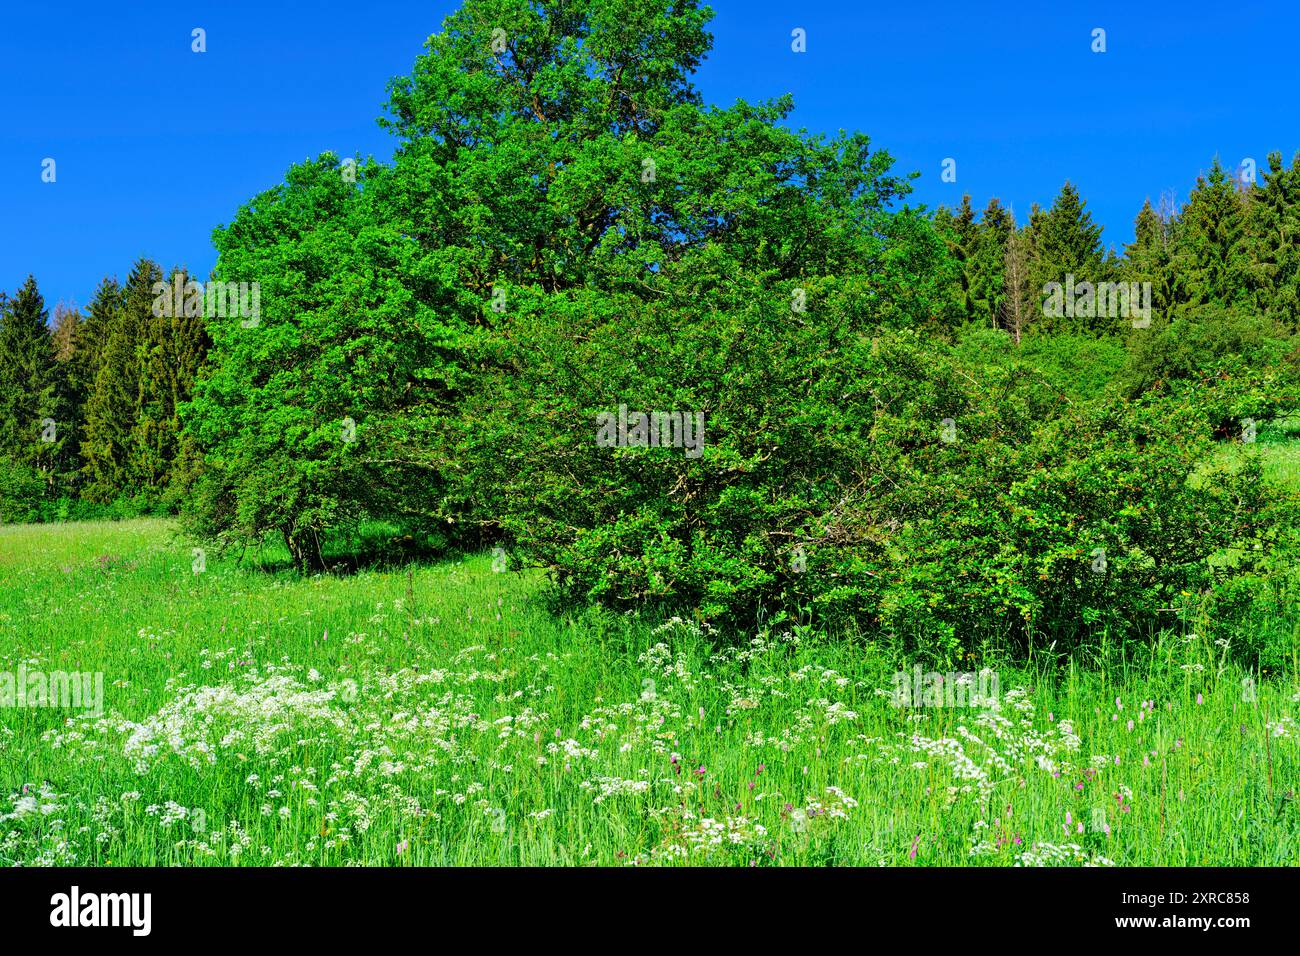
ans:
(444, 718)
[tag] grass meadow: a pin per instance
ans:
(441, 715)
(462, 450)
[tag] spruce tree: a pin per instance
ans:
(70, 396)
(1274, 244)
(1147, 258)
(113, 410)
(1067, 243)
(175, 345)
(29, 433)
(985, 263)
(961, 234)
(1019, 306)
(92, 334)
(1211, 254)
(66, 325)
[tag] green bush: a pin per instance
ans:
(829, 480)
(22, 492)
(1080, 366)
(1092, 526)
(1230, 365)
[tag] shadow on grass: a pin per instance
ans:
(372, 546)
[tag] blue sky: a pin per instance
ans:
(155, 145)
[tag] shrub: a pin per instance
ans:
(1230, 365)
(830, 479)
(22, 492)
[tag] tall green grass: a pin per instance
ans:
(439, 715)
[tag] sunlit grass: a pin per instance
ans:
(439, 715)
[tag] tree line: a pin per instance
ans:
(90, 400)
(1232, 248)
(566, 229)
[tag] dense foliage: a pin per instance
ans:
(864, 475)
(894, 423)
(89, 411)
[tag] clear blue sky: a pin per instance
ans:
(155, 145)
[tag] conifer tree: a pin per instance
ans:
(985, 262)
(1274, 243)
(29, 434)
(114, 407)
(173, 349)
(91, 336)
(69, 396)
(1147, 258)
(1018, 306)
(66, 323)
(1210, 254)
(961, 235)
(1067, 243)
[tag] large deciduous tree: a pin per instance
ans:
(311, 414)
(546, 147)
